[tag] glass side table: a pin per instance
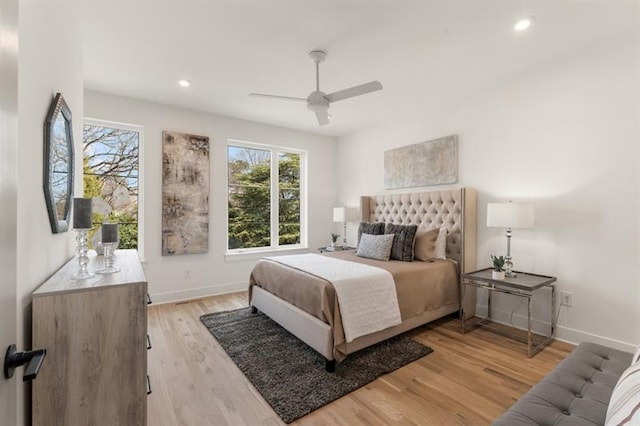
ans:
(336, 248)
(523, 285)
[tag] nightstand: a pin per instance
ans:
(523, 285)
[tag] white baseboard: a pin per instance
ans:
(197, 293)
(563, 333)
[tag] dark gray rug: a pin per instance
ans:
(289, 374)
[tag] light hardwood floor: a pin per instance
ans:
(469, 379)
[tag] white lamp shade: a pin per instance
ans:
(509, 215)
(339, 214)
(353, 214)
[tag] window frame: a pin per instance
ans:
(140, 130)
(274, 150)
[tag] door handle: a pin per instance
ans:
(14, 359)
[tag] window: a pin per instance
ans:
(265, 197)
(111, 172)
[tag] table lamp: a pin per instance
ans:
(340, 215)
(509, 215)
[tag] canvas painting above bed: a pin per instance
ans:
(433, 162)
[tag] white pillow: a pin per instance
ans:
(624, 406)
(375, 246)
(441, 243)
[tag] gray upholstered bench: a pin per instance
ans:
(576, 392)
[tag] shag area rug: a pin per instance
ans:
(289, 374)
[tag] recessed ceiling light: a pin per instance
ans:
(523, 24)
(184, 83)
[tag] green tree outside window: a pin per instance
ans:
(110, 172)
(249, 197)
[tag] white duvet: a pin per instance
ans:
(366, 294)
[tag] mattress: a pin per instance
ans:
(420, 287)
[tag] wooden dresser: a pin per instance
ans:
(95, 333)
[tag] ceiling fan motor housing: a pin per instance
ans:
(317, 101)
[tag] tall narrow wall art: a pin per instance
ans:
(185, 193)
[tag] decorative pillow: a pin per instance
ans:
(405, 236)
(624, 405)
(370, 228)
(375, 246)
(425, 246)
(441, 243)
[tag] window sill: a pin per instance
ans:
(260, 253)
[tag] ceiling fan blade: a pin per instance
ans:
(362, 89)
(323, 117)
(286, 98)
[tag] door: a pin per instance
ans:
(8, 198)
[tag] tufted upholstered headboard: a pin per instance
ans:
(455, 209)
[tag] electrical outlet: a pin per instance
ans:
(566, 298)
(187, 274)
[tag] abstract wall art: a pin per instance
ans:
(185, 193)
(434, 162)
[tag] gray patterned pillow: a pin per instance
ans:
(375, 246)
(405, 236)
(370, 228)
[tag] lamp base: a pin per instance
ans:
(508, 264)
(344, 235)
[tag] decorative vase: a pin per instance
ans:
(497, 275)
(333, 244)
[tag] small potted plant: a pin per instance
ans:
(498, 267)
(334, 238)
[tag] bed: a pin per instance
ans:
(306, 305)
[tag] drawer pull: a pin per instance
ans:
(148, 342)
(148, 385)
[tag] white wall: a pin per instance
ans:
(211, 273)
(565, 137)
(50, 61)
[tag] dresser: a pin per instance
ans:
(95, 333)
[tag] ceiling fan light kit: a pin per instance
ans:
(318, 101)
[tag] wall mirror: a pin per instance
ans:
(58, 164)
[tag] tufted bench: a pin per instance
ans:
(576, 392)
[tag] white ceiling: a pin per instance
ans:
(424, 53)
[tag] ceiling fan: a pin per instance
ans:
(318, 101)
